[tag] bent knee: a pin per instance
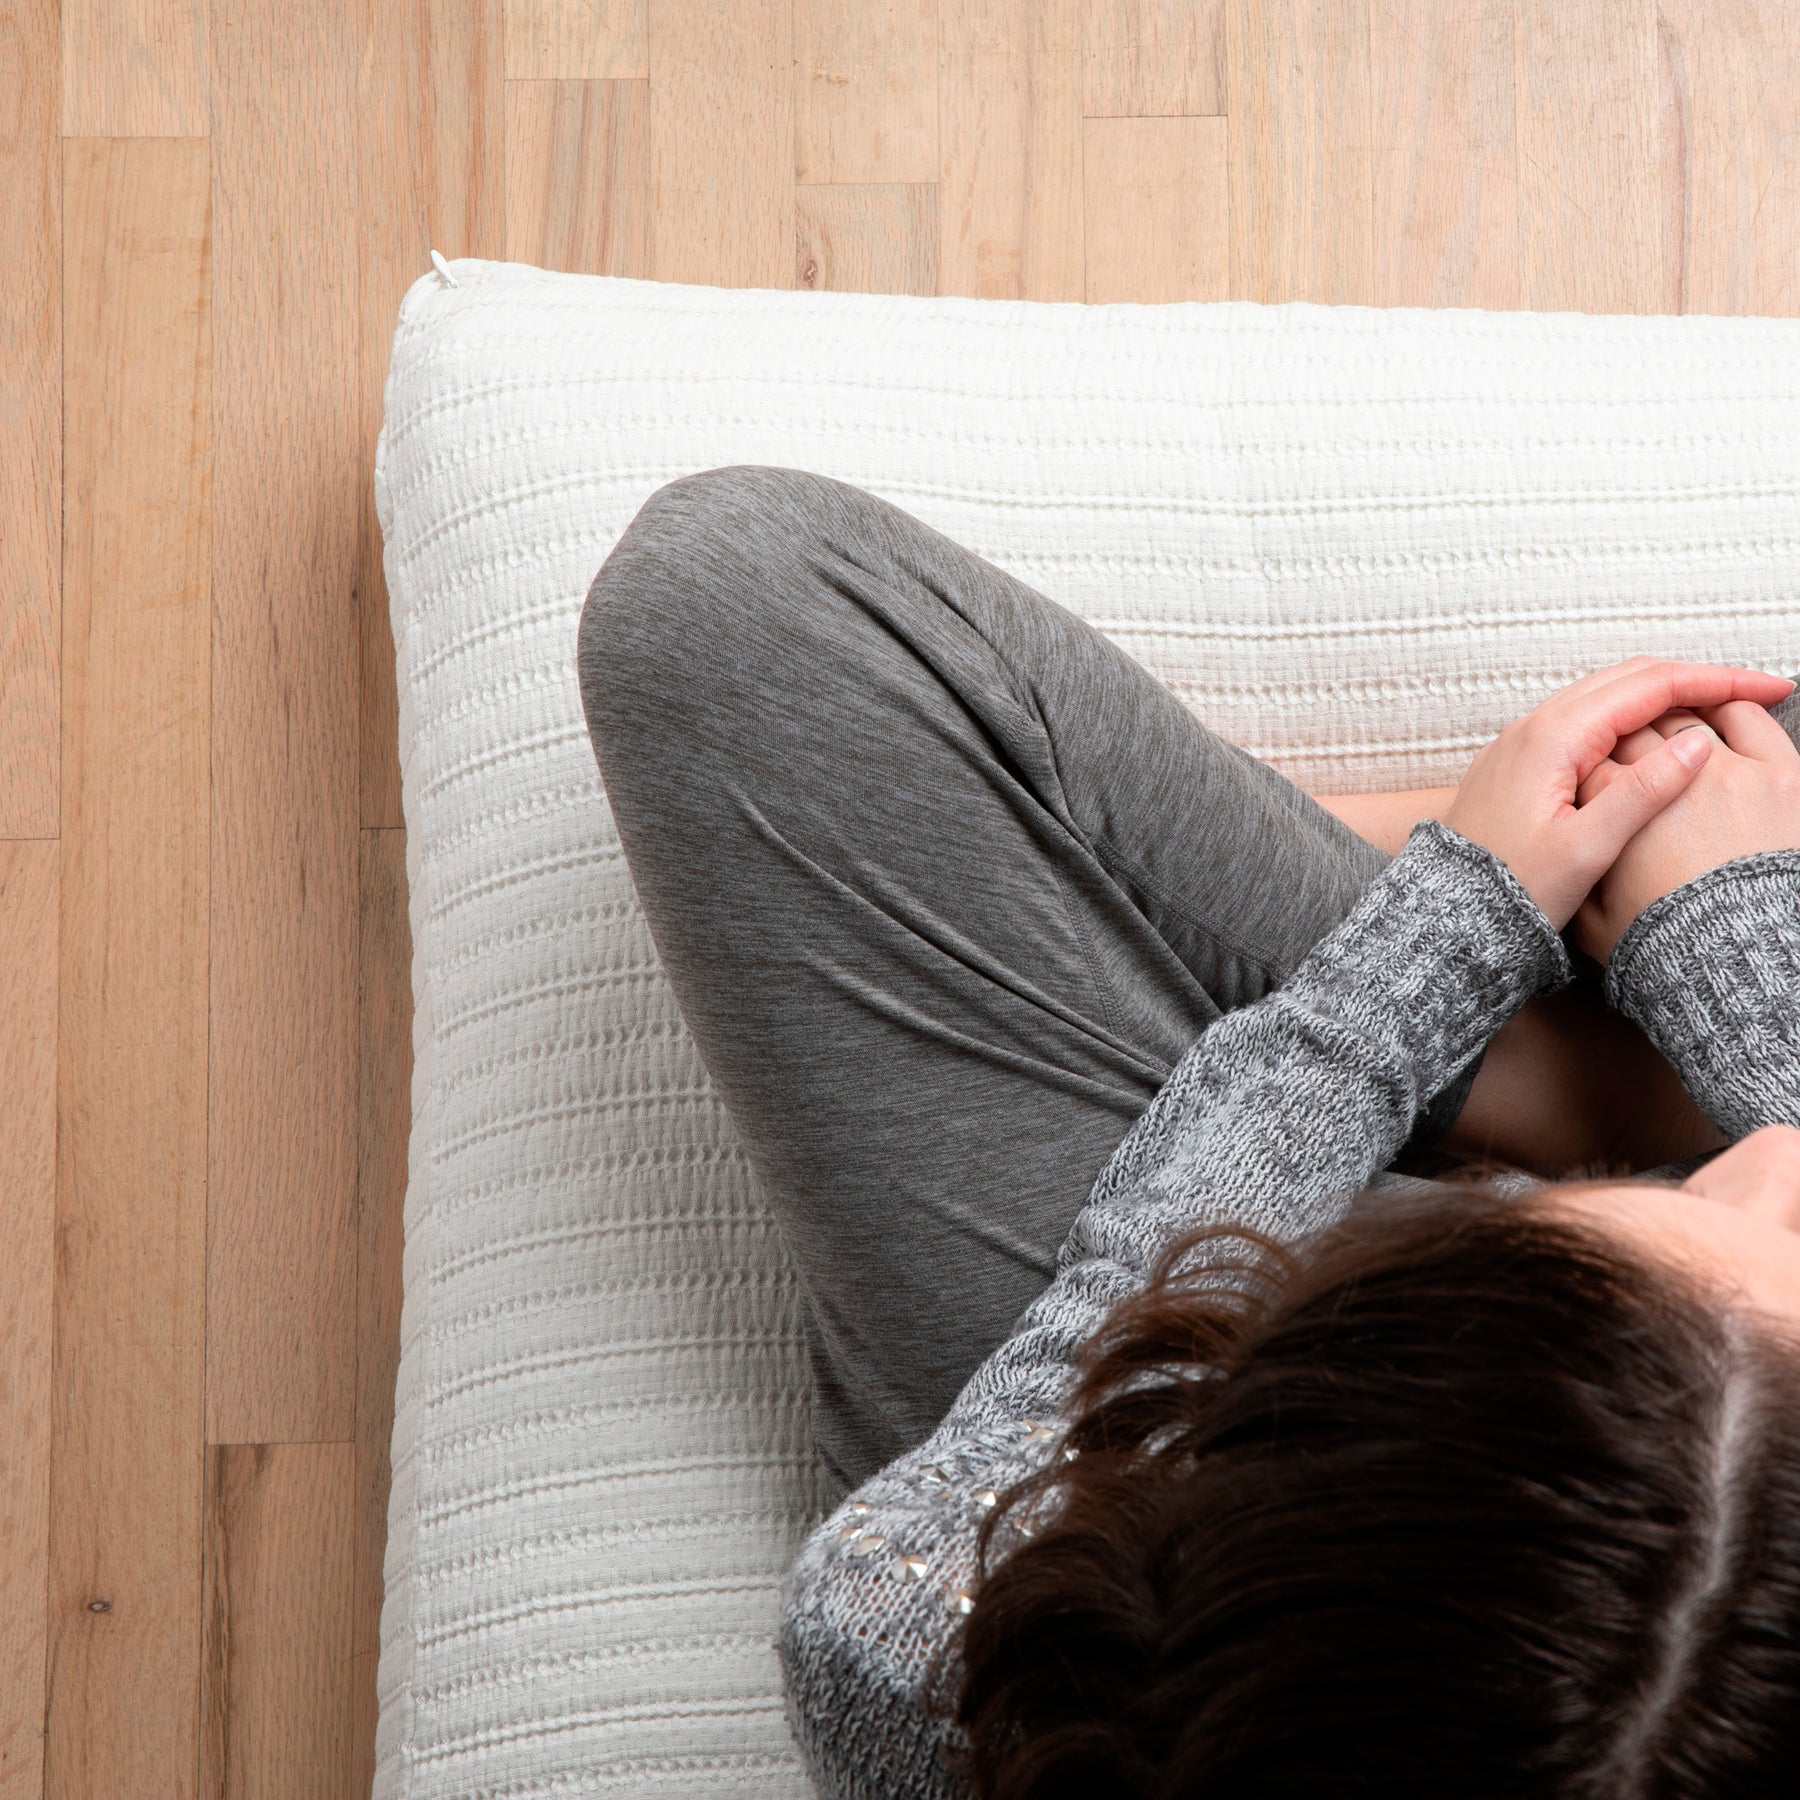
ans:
(739, 516)
(697, 539)
(714, 581)
(717, 553)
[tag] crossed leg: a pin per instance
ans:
(945, 884)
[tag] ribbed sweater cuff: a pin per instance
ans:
(1711, 974)
(1444, 946)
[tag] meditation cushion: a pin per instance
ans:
(1356, 541)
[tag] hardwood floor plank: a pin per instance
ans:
(1634, 157)
(1155, 196)
(1300, 158)
(430, 158)
(28, 933)
(865, 91)
(365, 1716)
(576, 40)
(384, 1117)
(1729, 130)
(134, 68)
(281, 1241)
(30, 418)
(868, 238)
(1009, 119)
(1591, 233)
(722, 142)
(132, 1072)
(1446, 187)
(384, 1089)
(280, 1560)
(1154, 58)
(578, 176)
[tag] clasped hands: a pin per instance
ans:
(1626, 784)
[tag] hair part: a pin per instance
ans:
(1715, 1549)
(1465, 1498)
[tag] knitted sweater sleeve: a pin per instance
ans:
(1275, 1118)
(1711, 973)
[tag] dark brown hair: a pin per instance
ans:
(1467, 1501)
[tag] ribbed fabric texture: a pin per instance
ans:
(1711, 974)
(1357, 541)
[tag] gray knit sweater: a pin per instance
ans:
(1276, 1118)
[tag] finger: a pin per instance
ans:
(1664, 687)
(1627, 751)
(1602, 775)
(1636, 665)
(1601, 677)
(1750, 730)
(1639, 792)
(1637, 743)
(1598, 678)
(1599, 718)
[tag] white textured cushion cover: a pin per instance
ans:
(1356, 541)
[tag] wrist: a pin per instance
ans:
(1545, 888)
(1446, 899)
(1385, 819)
(1668, 935)
(1710, 972)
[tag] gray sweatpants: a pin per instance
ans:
(945, 884)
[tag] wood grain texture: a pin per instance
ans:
(1730, 154)
(281, 1240)
(1009, 123)
(430, 161)
(576, 40)
(28, 933)
(30, 417)
(132, 1051)
(384, 1116)
(134, 68)
(365, 1719)
(878, 238)
(865, 91)
(1301, 163)
(1156, 203)
(1502, 153)
(722, 142)
(1586, 79)
(1445, 187)
(1154, 58)
(280, 1557)
(578, 176)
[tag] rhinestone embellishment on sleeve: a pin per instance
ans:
(909, 1566)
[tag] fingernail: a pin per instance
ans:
(1695, 750)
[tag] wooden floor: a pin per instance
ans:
(208, 214)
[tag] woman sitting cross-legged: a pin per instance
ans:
(1239, 1381)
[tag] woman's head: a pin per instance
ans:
(1484, 1496)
